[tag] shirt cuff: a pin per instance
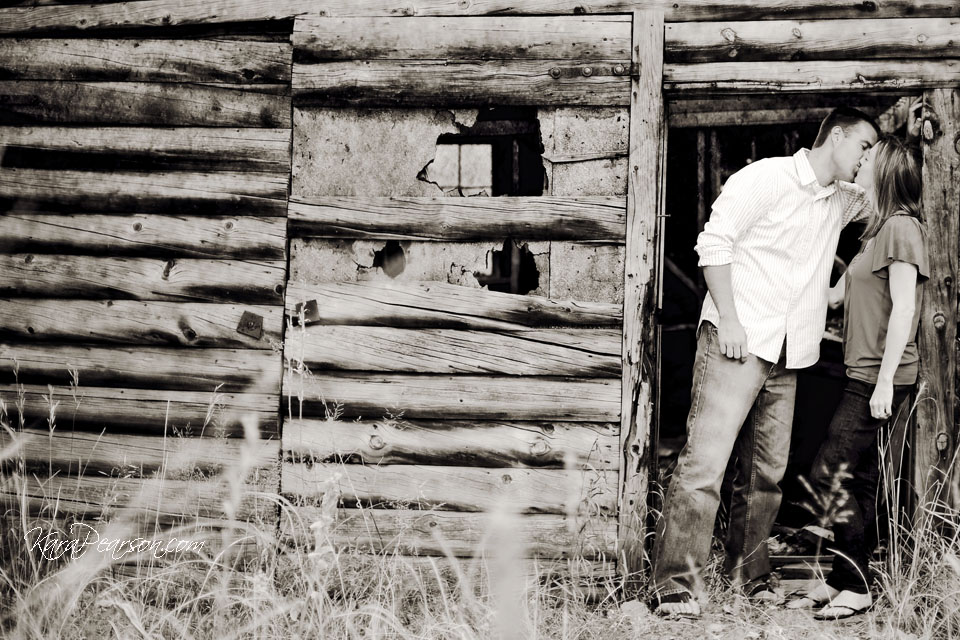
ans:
(714, 257)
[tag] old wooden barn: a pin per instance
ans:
(230, 215)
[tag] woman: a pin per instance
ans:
(881, 294)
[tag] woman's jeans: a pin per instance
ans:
(745, 408)
(850, 456)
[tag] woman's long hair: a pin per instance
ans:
(897, 183)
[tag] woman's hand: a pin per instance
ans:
(881, 402)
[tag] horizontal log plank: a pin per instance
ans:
(145, 60)
(817, 76)
(30, 102)
(247, 237)
(461, 534)
(149, 13)
(141, 148)
(107, 278)
(549, 352)
(443, 306)
(139, 456)
(246, 370)
(780, 109)
(218, 192)
(559, 491)
(318, 38)
(534, 218)
(136, 498)
(142, 411)
(812, 40)
(462, 83)
(456, 397)
(451, 443)
(186, 324)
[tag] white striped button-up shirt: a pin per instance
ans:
(778, 229)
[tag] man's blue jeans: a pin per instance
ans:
(742, 408)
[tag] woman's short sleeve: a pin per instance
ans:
(901, 239)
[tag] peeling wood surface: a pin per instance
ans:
(457, 397)
(186, 324)
(588, 272)
(144, 59)
(456, 488)
(461, 534)
(777, 110)
(462, 83)
(87, 454)
(540, 218)
(206, 149)
(317, 39)
(215, 192)
(937, 333)
(812, 40)
(247, 370)
(548, 352)
(644, 203)
(101, 278)
(444, 306)
(224, 237)
(138, 498)
(810, 76)
(149, 412)
(32, 102)
(148, 13)
(453, 443)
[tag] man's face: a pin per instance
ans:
(849, 150)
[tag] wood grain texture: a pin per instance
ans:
(137, 499)
(185, 324)
(937, 332)
(149, 13)
(246, 370)
(457, 397)
(107, 278)
(207, 149)
(32, 102)
(461, 534)
(549, 352)
(713, 78)
(146, 412)
(217, 192)
(534, 218)
(317, 39)
(748, 110)
(145, 60)
(645, 192)
(444, 306)
(812, 40)
(453, 443)
(139, 456)
(455, 488)
(462, 83)
(224, 237)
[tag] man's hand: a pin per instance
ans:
(733, 339)
(881, 402)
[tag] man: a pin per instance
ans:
(766, 254)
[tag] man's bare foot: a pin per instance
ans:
(817, 593)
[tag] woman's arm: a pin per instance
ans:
(902, 280)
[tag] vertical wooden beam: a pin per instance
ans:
(701, 190)
(644, 191)
(936, 428)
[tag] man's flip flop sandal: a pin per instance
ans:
(845, 605)
(680, 598)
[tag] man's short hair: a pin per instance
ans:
(845, 118)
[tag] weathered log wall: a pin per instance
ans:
(143, 189)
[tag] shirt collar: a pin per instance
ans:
(808, 177)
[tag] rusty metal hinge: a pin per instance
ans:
(251, 325)
(307, 311)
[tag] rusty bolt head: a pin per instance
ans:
(928, 132)
(376, 442)
(555, 72)
(587, 71)
(539, 447)
(619, 70)
(137, 226)
(939, 321)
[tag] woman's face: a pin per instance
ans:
(865, 174)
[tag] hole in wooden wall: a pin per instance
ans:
(391, 259)
(513, 270)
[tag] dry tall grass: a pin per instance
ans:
(249, 581)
